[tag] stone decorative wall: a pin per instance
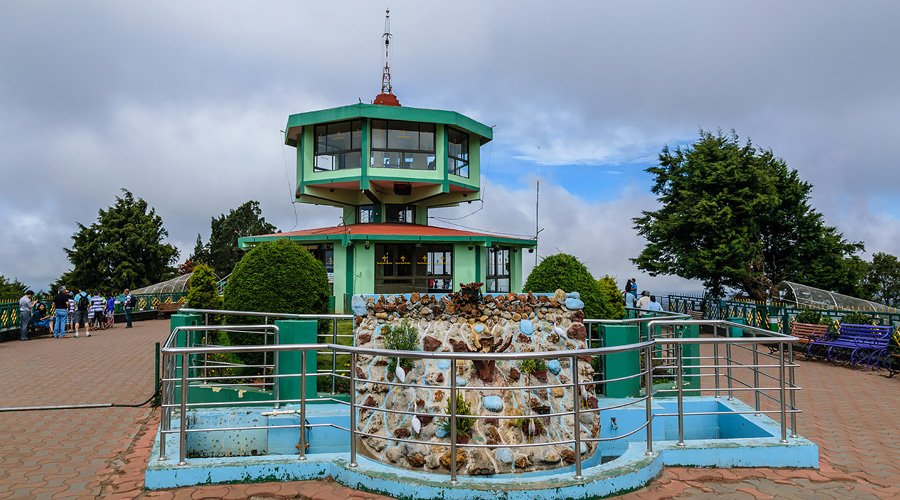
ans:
(468, 322)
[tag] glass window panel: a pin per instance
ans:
(403, 136)
(379, 134)
(426, 137)
(356, 135)
(324, 162)
(321, 144)
(365, 214)
(339, 136)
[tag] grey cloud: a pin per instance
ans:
(182, 102)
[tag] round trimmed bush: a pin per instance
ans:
(563, 271)
(276, 276)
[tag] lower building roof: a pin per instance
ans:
(380, 232)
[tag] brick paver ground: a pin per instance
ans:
(102, 453)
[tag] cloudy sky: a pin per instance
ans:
(183, 102)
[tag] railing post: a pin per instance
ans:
(781, 389)
(334, 340)
(728, 370)
(453, 480)
(276, 391)
(352, 463)
(648, 384)
(164, 424)
(793, 390)
(302, 404)
(756, 377)
(182, 431)
(716, 368)
(680, 384)
(206, 344)
(576, 409)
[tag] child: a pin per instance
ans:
(110, 310)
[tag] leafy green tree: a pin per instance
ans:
(11, 290)
(223, 252)
(613, 302)
(276, 276)
(204, 289)
(200, 253)
(735, 216)
(124, 248)
(882, 279)
(563, 271)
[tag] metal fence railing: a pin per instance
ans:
(184, 367)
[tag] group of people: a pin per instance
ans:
(645, 301)
(73, 311)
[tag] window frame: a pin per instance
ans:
(429, 152)
(355, 126)
(453, 166)
(494, 263)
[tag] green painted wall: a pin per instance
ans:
(340, 272)
(289, 362)
(363, 268)
(515, 270)
(621, 364)
(463, 264)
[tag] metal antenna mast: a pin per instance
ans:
(386, 76)
(386, 97)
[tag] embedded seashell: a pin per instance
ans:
(400, 373)
(416, 424)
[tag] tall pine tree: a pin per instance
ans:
(123, 249)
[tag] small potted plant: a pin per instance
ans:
(536, 367)
(402, 337)
(463, 425)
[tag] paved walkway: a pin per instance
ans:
(102, 453)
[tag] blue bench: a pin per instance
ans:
(855, 345)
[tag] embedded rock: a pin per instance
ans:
(358, 305)
(461, 458)
(416, 460)
(504, 456)
(526, 326)
(577, 331)
(430, 343)
(492, 403)
(481, 464)
(554, 366)
(574, 304)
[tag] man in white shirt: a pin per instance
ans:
(25, 306)
(644, 300)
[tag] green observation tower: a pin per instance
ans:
(386, 166)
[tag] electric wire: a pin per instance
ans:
(287, 177)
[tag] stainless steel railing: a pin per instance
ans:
(268, 317)
(665, 343)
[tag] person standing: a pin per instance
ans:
(653, 305)
(70, 317)
(25, 306)
(129, 306)
(110, 310)
(61, 303)
(98, 305)
(82, 303)
(644, 300)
